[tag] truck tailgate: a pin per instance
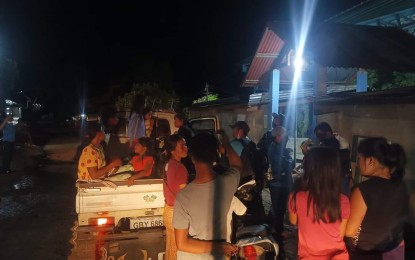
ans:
(97, 197)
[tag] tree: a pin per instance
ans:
(381, 80)
(156, 97)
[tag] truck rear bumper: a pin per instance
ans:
(103, 243)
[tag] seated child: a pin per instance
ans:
(143, 161)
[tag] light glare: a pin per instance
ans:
(298, 63)
(102, 221)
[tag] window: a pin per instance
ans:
(203, 125)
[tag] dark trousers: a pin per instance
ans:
(279, 198)
(8, 150)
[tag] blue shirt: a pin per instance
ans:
(237, 146)
(136, 127)
(9, 132)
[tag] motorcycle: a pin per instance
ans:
(253, 237)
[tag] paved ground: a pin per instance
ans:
(37, 206)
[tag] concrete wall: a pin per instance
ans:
(394, 122)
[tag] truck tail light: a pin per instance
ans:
(103, 221)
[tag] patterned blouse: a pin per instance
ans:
(92, 156)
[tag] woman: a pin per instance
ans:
(143, 161)
(319, 208)
(175, 178)
(380, 205)
(136, 128)
(91, 163)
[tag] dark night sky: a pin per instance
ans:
(90, 45)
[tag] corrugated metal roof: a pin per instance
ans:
(268, 50)
(335, 45)
(264, 97)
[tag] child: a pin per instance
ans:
(318, 207)
(148, 121)
(143, 161)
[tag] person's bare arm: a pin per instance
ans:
(186, 244)
(96, 173)
(234, 159)
(358, 210)
(343, 225)
(292, 217)
(140, 174)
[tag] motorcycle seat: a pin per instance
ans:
(254, 230)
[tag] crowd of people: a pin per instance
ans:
(201, 173)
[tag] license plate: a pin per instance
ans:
(149, 222)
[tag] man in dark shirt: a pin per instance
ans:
(267, 138)
(185, 130)
(115, 148)
(327, 138)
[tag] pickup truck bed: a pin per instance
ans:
(95, 199)
(137, 231)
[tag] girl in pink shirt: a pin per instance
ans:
(143, 161)
(319, 209)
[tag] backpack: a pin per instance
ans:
(255, 160)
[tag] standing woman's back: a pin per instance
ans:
(380, 204)
(319, 208)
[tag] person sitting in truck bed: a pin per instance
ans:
(91, 163)
(143, 161)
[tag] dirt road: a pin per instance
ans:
(37, 208)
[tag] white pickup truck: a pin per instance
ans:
(120, 222)
(116, 221)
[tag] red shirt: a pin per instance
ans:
(317, 238)
(176, 175)
(140, 164)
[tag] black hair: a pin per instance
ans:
(390, 155)
(322, 181)
(170, 144)
(332, 143)
(163, 157)
(106, 113)
(146, 110)
(148, 143)
(324, 127)
(203, 147)
(180, 117)
(92, 129)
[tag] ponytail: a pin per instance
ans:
(390, 155)
(396, 160)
